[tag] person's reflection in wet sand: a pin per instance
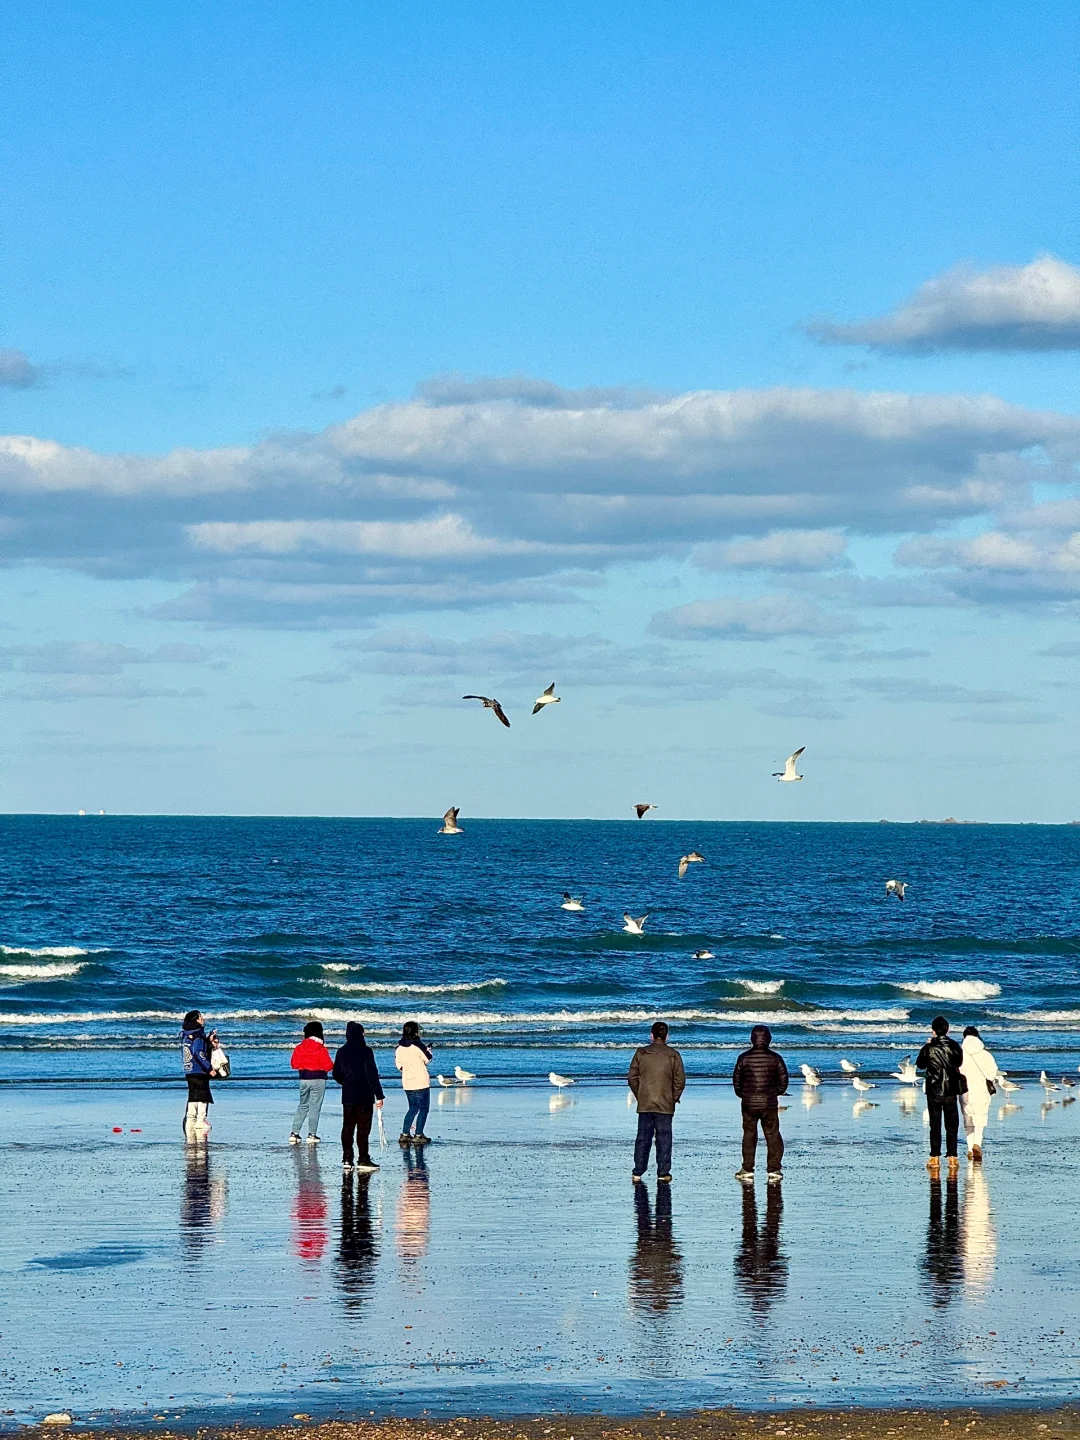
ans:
(943, 1265)
(761, 1267)
(203, 1203)
(978, 1238)
(656, 1274)
(310, 1234)
(414, 1208)
(358, 1252)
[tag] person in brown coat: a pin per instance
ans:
(657, 1079)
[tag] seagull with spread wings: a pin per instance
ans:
(642, 810)
(685, 861)
(500, 713)
(449, 822)
(788, 774)
(547, 698)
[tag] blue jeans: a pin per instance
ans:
(312, 1095)
(650, 1126)
(419, 1105)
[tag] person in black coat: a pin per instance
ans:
(941, 1058)
(759, 1079)
(356, 1072)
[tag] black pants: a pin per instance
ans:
(949, 1107)
(652, 1125)
(358, 1118)
(770, 1128)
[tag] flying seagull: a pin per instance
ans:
(685, 861)
(449, 822)
(569, 903)
(463, 1075)
(788, 773)
(643, 810)
(862, 1085)
(500, 714)
(559, 1081)
(896, 887)
(907, 1074)
(849, 1066)
(632, 926)
(547, 698)
(810, 1075)
(704, 955)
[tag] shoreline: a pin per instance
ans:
(1001, 1422)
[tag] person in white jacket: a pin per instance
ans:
(980, 1071)
(411, 1057)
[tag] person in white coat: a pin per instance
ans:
(980, 1071)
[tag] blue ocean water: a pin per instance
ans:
(111, 927)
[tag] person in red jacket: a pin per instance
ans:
(314, 1062)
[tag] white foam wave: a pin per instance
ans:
(55, 952)
(404, 988)
(951, 989)
(40, 972)
(761, 987)
(338, 967)
(1048, 1017)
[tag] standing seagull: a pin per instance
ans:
(810, 1075)
(685, 861)
(849, 1066)
(896, 887)
(559, 1081)
(788, 773)
(463, 1075)
(500, 714)
(642, 810)
(862, 1085)
(1047, 1083)
(634, 927)
(449, 822)
(569, 903)
(547, 698)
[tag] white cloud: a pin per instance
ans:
(778, 550)
(760, 619)
(1007, 307)
(491, 497)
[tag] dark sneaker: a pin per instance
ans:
(421, 1139)
(775, 1176)
(636, 1179)
(404, 1140)
(365, 1167)
(744, 1174)
(294, 1139)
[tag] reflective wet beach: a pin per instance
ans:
(512, 1265)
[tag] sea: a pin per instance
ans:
(111, 927)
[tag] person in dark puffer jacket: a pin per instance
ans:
(357, 1073)
(759, 1079)
(942, 1058)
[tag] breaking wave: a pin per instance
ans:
(55, 952)
(40, 972)
(951, 989)
(761, 987)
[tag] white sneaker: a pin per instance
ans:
(294, 1139)
(775, 1176)
(744, 1174)
(313, 1139)
(346, 1165)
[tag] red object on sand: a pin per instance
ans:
(137, 1132)
(117, 1129)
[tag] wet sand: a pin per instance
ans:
(513, 1270)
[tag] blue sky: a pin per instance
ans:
(715, 362)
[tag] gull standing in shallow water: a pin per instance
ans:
(849, 1066)
(685, 861)
(642, 810)
(445, 1083)
(1046, 1082)
(569, 903)
(559, 1081)
(449, 822)
(634, 927)
(787, 775)
(463, 1075)
(810, 1075)
(547, 698)
(896, 887)
(488, 704)
(862, 1085)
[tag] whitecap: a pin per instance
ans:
(404, 988)
(951, 989)
(338, 966)
(1046, 1017)
(56, 952)
(40, 972)
(761, 987)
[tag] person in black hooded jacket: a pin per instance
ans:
(759, 1079)
(356, 1072)
(941, 1058)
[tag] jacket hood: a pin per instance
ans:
(354, 1033)
(761, 1037)
(972, 1042)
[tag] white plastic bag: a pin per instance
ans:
(219, 1063)
(382, 1131)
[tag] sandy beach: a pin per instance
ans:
(513, 1269)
